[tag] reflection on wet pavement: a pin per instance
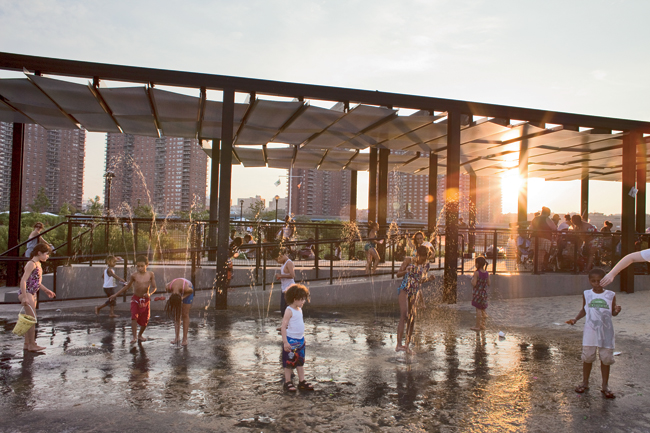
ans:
(230, 376)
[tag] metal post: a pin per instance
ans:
(69, 240)
(535, 252)
(353, 210)
(522, 207)
(584, 193)
(630, 141)
(641, 181)
(316, 253)
(15, 200)
(382, 209)
(451, 214)
(91, 245)
(495, 253)
(392, 255)
(221, 298)
(331, 263)
(214, 200)
(472, 214)
(432, 197)
(258, 258)
(264, 269)
(372, 186)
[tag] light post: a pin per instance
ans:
(109, 175)
(241, 210)
(277, 197)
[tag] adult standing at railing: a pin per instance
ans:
(543, 229)
(584, 232)
(35, 239)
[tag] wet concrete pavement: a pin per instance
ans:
(229, 377)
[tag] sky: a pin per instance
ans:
(580, 56)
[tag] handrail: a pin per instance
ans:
(39, 235)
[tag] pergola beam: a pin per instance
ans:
(73, 68)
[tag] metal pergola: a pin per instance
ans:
(362, 130)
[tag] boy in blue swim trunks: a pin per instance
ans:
(293, 337)
(179, 305)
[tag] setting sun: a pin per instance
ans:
(511, 183)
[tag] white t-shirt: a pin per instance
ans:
(563, 226)
(599, 330)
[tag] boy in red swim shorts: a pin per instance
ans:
(141, 281)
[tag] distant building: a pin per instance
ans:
(53, 160)
(319, 193)
(238, 207)
(167, 173)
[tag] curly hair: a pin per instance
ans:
(174, 307)
(296, 292)
(142, 259)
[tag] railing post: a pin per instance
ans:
(316, 250)
(495, 252)
(135, 237)
(69, 240)
(462, 255)
(331, 263)
(258, 258)
(92, 251)
(392, 259)
(535, 252)
(264, 269)
(126, 270)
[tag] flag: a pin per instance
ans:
(299, 185)
(277, 182)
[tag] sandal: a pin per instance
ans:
(305, 386)
(581, 389)
(607, 393)
(289, 387)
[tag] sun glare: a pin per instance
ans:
(510, 185)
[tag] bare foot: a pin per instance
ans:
(135, 340)
(141, 338)
(112, 315)
(409, 351)
(400, 348)
(97, 311)
(35, 348)
(174, 341)
(184, 343)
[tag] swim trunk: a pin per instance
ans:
(189, 299)
(109, 292)
(140, 310)
(589, 355)
(297, 349)
(369, 245)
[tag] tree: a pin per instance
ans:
(41, 202)
(67, 209)
(95, 207)
(144, 211)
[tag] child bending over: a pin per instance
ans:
(178, 305)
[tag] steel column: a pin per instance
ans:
(372, 186)
(630, 141)
(15, 200)
(214, 198)
(221, 298)
(641, 181)
(584, 194)
(472, 212)
(382, 210)
(522, 206)
(432, 198)
(353, 208)
(451, 207)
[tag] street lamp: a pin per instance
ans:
(277, 197)
(109, 175)
(241, 210)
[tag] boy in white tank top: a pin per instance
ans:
(598, 305)
(293, 338)
(110, 285)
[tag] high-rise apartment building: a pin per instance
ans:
(319, 193)
(53, 160)
(167, 173)
(408, 197)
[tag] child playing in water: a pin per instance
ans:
(415, 272)
(141, 281)
(30, 284)
(286, 275)
(480, 284)
(179, 304)
(372, 257)
(110, 286)
(598, 305)
(293, 338)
